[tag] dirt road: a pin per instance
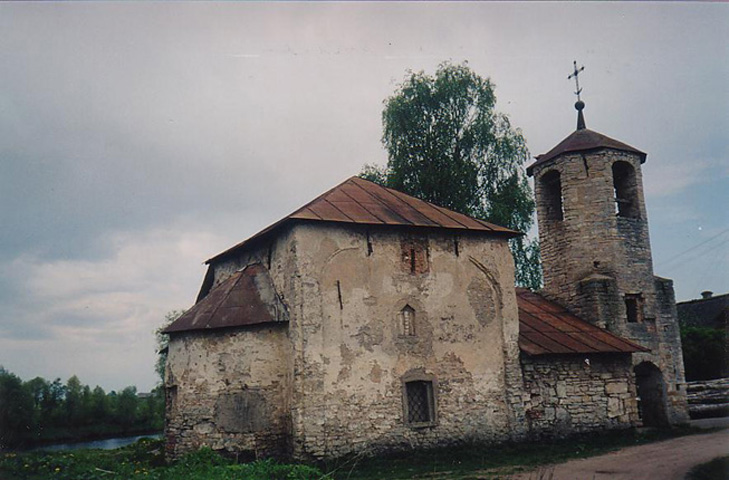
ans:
(669, 460)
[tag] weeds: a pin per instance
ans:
(144, 460)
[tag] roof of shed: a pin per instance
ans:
(547, 328)
(583, 140)
(359, 201)
(248, 297)
(705, 312)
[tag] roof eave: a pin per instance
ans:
(541, 161)
(274, 228)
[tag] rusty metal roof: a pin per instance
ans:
(248, 297)
(359, 201)
(584, 140)
(545, 327)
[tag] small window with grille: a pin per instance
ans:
(419, 403)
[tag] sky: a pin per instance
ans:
(139, 139)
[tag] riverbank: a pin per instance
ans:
(145, 459)
(82, 435)
(99, 444)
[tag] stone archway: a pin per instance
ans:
(651, 395)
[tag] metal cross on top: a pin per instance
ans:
(575, 74)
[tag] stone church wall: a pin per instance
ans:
(353, 353)
(569, 395)
(227, 390)
(230, 389)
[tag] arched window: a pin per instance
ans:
(626, 190)
(552, 194)
(407, 320)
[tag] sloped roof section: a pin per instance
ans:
(248, 297)
(710, 312)
(547, 328)
(359, 201)
(584, 140)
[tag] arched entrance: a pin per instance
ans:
(651, 395)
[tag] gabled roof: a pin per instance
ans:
(359, 201)
(545, 327)
(584, 140)
(248, 297)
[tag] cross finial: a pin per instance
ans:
(579, 105)
(575, 74)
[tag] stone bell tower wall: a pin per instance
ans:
(596, 255)
(590, 238)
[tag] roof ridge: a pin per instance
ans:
(377, 198)
(404, 197)
(360, 204)
(393, 208)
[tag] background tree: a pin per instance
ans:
(16, 411)
(74, 391)
(446, 144)
(704, 352)
(38, 411)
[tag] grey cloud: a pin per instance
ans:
(128, 130)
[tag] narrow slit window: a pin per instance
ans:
(634, 308)
(407, 320)
(414, 255)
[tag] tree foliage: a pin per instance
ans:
(447, 145)
(704, 352)
(39, 411)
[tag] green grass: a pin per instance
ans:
(144, 460)
(498, 461)
(717, 469)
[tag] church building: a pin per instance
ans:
(369, 320)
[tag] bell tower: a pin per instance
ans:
(596, 255)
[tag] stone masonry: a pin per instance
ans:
(596, 260)
(569, 394)
(331, 381)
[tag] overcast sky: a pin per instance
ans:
(138, 140)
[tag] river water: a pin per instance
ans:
(106, 444)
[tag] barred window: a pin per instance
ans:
(420, 402)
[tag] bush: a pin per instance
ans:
(704, 355)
